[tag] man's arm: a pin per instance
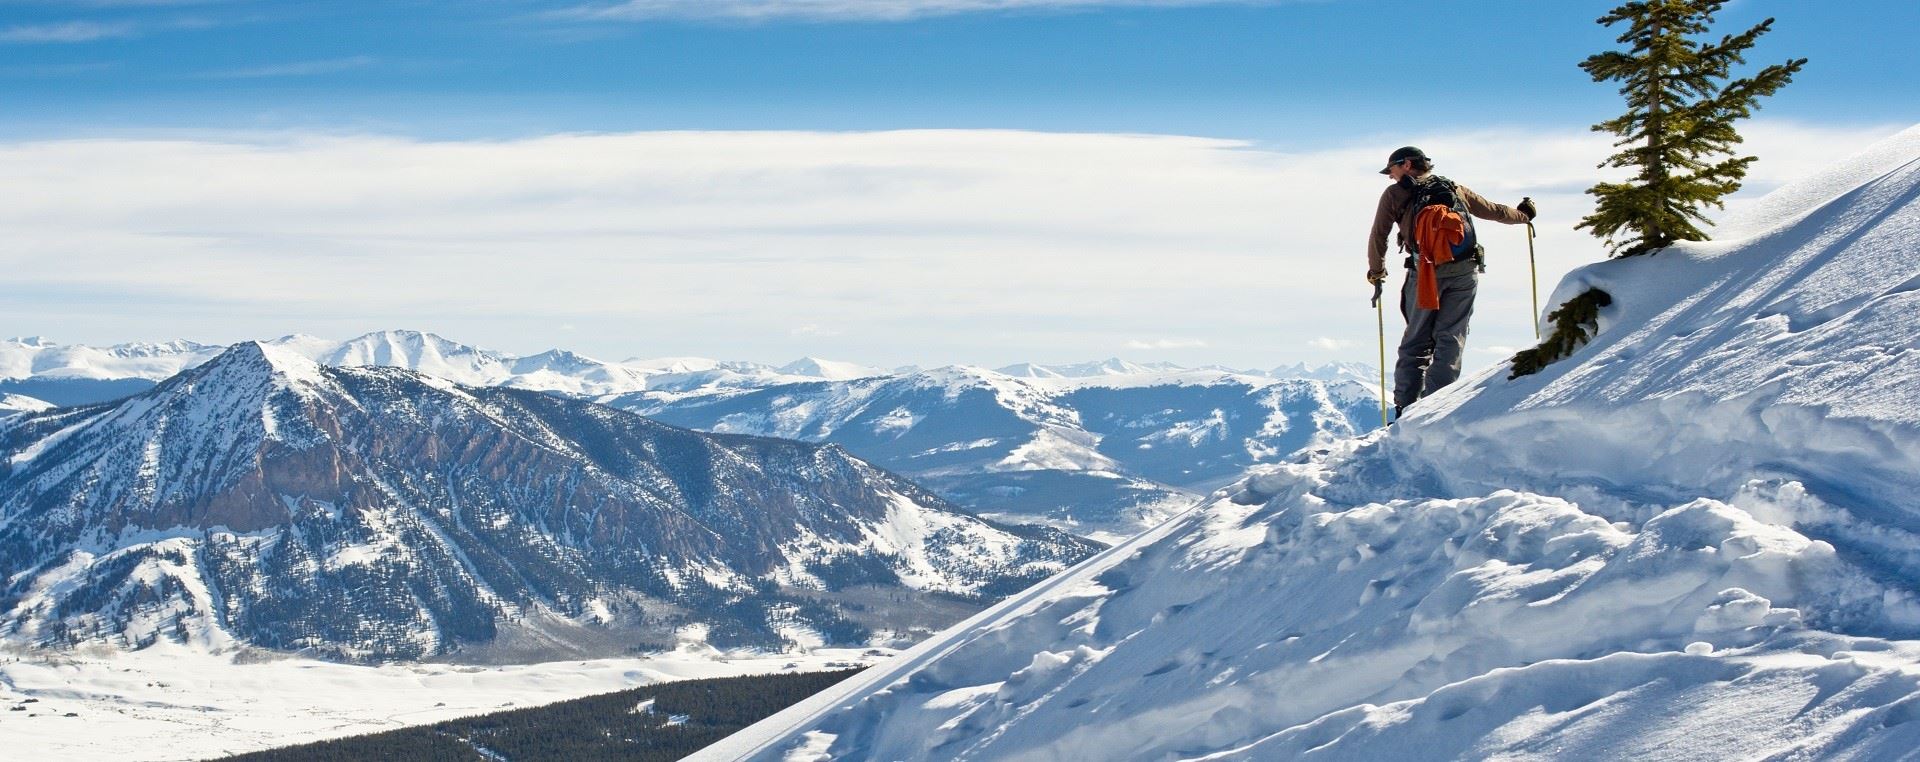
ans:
(1487, 210)
(1377, 237)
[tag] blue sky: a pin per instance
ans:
(1282, 71)
(1158, 179)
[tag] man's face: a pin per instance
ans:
(1399, 169)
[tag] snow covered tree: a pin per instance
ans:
(1678, 130)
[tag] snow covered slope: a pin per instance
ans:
(19, 403)
(1694, 539)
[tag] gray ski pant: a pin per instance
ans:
(1430, 349)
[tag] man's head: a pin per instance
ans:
(1407, 161)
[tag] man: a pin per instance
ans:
(1435, 338)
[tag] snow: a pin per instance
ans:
(28, 453)
(20, 403)
(171, 702)
(1694, 539)
(1053, 449)
(831, 370)
(37, 357)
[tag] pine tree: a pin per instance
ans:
(1679, 121)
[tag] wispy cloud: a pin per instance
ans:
(939, 245)
(57, 70)
(1166, 344)
(852, 10)
(812, 329)
(67, 31)
(296, 68)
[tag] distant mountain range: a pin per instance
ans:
(1102, 455)
(1100, 448)
(367, 513)
(74, 374)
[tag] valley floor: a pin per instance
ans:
(176, 703)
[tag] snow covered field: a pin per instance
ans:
(1696, 538)
(171, 702)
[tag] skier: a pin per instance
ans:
(1437, 298)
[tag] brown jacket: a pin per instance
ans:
(1393, 209)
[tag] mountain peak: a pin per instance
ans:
(831, 370)
(282, 366)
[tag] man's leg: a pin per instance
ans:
(1416, 346)
(1450, 329)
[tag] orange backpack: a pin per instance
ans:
(1442, 233)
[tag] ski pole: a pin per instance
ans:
(1380, 318)
(1533, 270)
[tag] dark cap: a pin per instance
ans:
(1403, 154)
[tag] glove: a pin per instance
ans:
(1376, 277)
(1526, 207)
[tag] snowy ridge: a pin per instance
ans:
(1691, 540)
(20, 403)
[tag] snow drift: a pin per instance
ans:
(1694, 539)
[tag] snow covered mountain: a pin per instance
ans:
(1693, 539)
(814, 367)
(1106, 453)
(414, 350)
(1359, 373)
(1112, 366)
(376, 513)
(65, 374)
(11, 404)
(35, 356)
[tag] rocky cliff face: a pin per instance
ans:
(374, 513)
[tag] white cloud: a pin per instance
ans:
(1329, 343)
(853, 10)
(814, 330)
(942, 246)
(1166, 344)
(67, 31)
(296, 69)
